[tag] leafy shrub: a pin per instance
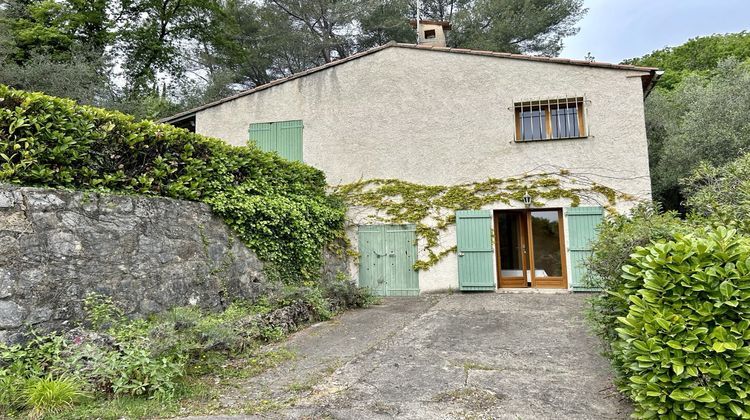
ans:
(101, 310)
(618, 238)
(136, 371)
(721, 193)
(684, 341)
(280, 209)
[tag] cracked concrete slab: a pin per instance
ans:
(505, 356)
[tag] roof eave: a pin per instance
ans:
(650, 80)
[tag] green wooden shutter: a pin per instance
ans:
(284, 138)
(401, 247)
(263, 136)
(387, 254)
(289, 139)
(475, 250)
(582, 225)
(372, 273)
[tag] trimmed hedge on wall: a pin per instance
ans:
(279, 208)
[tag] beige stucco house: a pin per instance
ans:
(435, 116)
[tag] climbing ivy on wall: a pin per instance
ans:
(432, 208)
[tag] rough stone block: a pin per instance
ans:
(64, 244)
(11, 315)
(7, 283)
(15, 222)
(6, 200)
(41, 201)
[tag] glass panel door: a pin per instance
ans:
(547, 257)
(512, 244)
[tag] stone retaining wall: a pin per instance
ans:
(149, 254)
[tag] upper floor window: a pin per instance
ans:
(550, 119)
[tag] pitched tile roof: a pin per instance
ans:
(649, 79)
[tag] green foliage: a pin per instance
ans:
(22, 366)
(78, 79)
(432, 208)
(618, 237)
(721, 194)
(683, 343)
(280, 209)
(137, 371)
(516, 26)
(153, 359)
(47, 395)
(696, 113)
(701, 120)
(385, 22)
(101, 310)
(699, 56)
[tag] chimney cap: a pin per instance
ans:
(445, 24)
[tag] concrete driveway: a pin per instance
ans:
(515, 356)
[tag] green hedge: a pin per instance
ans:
(279, 208)
(685, 341)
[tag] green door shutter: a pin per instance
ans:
(402, 279)
(371, 254)
(582, 224)
(475, 251)
(284, 138)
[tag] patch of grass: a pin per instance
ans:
(305, 386)
(251, 366)
(48, 395)
(133, 407)
(331, 368)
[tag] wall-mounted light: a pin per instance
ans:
(526, 199)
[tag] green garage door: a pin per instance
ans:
(582, 225)
(387, 254)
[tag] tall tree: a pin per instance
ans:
(158, 38)
(704, 119)
(385, 21)
(516, 26)
(328, 22)
(699, 55)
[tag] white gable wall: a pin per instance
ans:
(445, 118)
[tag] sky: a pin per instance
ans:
(614, 30)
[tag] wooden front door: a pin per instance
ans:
(530, 246)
